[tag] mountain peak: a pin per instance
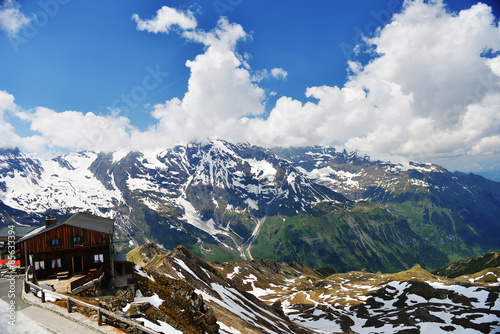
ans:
(146, 254)
(14, 151)
(181, 251)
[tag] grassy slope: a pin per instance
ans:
(441, 227)
(364, 236)
(470, 266)
(460, 218)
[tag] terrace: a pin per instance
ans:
(63, 282)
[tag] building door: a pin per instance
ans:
(77, 264)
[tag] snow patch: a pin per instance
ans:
(140, 271)
(154, 300)
(262, 169)
(236, 271)
(162, 328)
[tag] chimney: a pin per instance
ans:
(49, 221)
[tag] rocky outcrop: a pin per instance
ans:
(180, 306)
(190, 288)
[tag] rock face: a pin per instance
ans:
(176, 304)
(432, 307)
(190, 291)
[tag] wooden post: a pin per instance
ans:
(99, 321)
(43, 296)
(70, 309)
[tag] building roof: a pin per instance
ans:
(91, 222)
(79, 219)
(19, 231)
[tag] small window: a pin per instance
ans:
(98, 258)
(56, 263)
(55, 242)
(77, 240)
(39, 265)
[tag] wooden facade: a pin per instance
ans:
(63, 247)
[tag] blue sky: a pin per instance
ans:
(419, 79)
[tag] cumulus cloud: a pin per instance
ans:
(77, 131)
(276, 73)
(6, 102)
(487, 145)
(11, 18)
(165, 18)
(429, 90)
(279, 73)
(221, 90)
(8, 137)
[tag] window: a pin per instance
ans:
(77, 240)
(39, 265)
(98, 258)
(55, 242)
(56, 263)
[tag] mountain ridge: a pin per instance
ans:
(228, 201)
(233, 307)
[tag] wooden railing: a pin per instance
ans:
(87, 278)
(137, 328)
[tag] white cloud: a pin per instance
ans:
(8, 137)
(165, 18)
(11, 18)
(77, 131)
(220, 92)
(279, 73)
(6, 102)
(276, 73)
(487, 145)
(429, 91)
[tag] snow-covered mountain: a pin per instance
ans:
(216, 198)
(194, 180)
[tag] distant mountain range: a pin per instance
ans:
(493, 175)
(224, 201)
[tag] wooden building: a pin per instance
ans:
(79, 243)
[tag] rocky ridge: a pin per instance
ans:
(227, 308)
(264, 296)
(412, 301)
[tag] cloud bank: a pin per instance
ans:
(431, 89)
